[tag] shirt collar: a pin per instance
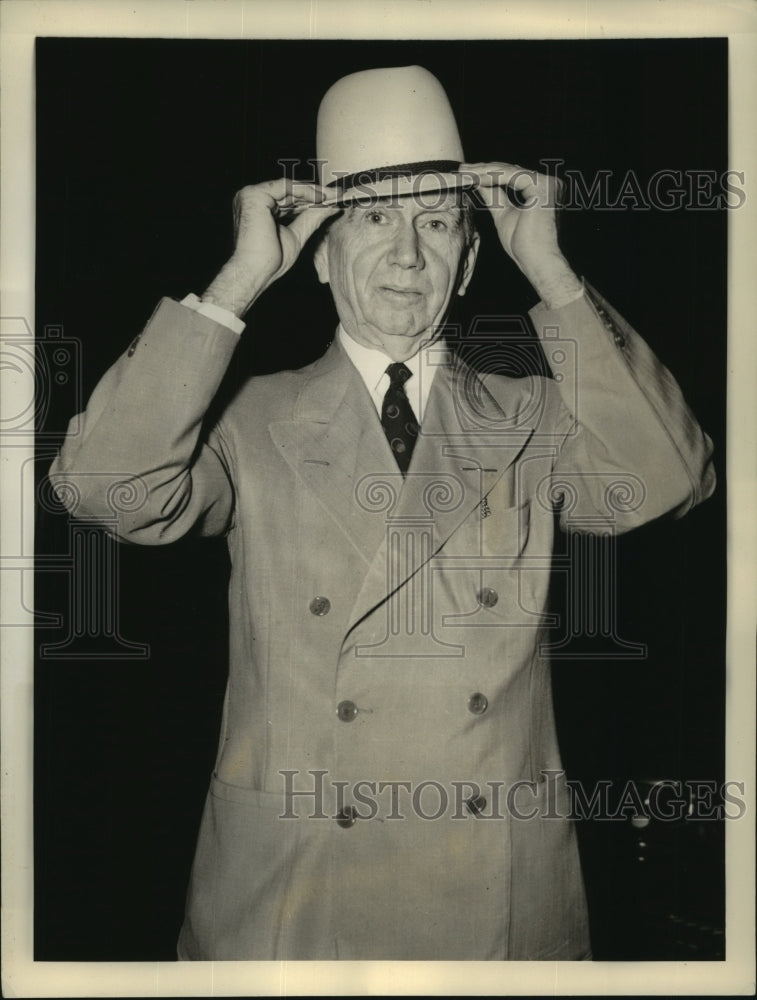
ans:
(371, 363)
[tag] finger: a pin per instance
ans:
(305, 223)
(288, 190)
(503, 199)
(524, 187)
(311, 193)
(493, 196)
(277, 196)
(297, 202)
(499, 174)
(286, 212)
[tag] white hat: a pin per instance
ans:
(388, 132)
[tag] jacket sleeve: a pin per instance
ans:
(137, 459)
(630, 448)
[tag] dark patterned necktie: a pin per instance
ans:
(397, 417)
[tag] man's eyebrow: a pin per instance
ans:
(446, 207)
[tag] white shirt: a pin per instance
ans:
(371, 363)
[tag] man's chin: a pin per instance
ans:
(400, 325)
(398, 336)
(403, 344)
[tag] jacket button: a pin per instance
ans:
(346, 817)
(133, 346)
(619, 339)
(487, 597)
(476, 805)
(478, 703)
(320, 606)
(346, 710)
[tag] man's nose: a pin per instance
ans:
(406, 249)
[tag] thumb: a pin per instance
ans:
(495, 199)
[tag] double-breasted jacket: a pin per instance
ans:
(388, 782)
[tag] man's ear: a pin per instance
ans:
(468, 263)
(321, 259)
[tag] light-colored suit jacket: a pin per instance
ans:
(388, 782)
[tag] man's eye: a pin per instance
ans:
(437, 225)
(376, 217)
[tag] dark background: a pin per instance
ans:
(140, 148)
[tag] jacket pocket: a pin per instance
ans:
(258, 882)
(488, 582)
(253, 797)
(504, 530)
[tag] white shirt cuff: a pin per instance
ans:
(217, 313)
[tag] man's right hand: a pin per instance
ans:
(272, 222)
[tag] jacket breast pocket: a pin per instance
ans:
(504, 530)
(489, 583)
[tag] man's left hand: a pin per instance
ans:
(528, 232)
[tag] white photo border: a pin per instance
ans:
(20, 22)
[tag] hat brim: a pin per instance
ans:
(426, 187)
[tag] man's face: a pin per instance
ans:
(393, 268)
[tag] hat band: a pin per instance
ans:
(376, 174)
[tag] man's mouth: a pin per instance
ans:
(401, 293)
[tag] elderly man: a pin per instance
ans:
(388, 782)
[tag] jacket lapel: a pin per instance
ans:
(466, 444)
(335, 444)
